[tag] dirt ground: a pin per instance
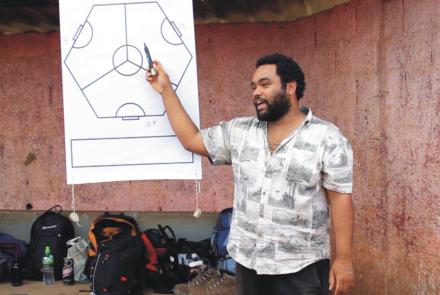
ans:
(38, 288)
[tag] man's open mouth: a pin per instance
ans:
(260, 104)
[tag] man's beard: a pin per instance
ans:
(276, 109)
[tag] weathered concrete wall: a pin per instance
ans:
(372, 67)
(411, 134)
(32, 145)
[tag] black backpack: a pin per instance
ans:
(116, 255)
(168, 249)
(163, 277)
(49, 229)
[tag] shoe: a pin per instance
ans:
(221, 284)
(195, 286)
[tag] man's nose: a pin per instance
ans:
(256, 92)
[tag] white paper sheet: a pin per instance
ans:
(116, 127)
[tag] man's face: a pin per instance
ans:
(270, 99)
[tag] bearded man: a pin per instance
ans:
(293, 175)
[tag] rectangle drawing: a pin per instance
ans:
(101, 152)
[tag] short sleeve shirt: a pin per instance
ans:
(281, 218)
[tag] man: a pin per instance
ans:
(289, 168)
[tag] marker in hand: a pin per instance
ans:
(149, 61)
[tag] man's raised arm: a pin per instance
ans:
(185, 129)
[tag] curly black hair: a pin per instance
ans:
(287, 69)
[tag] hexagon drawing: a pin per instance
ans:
(108, 63)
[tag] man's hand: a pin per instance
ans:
(341, 276)
(160, 81)
(341, 273)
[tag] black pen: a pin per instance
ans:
(149, 61)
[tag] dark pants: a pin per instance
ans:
(311, 280)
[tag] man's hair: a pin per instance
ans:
(287, 69)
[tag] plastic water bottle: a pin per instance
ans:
(48, 275)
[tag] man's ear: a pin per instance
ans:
(291, 88)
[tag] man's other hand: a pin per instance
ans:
(341, 276)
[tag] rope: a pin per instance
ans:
(198, 212)
(74, 216)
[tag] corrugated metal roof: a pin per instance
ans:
(20, 16)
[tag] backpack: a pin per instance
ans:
(219, 241)
(174, 258)
(116, 255)
(49, 229)
(160, 272)
(10, 247)
(161, 241)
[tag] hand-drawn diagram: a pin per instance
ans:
(113, 50)
(104, 69)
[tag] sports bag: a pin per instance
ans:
(160, 269)
(10, 248)
(220, 233)
(116, 255)
(219, 241)
(49, 229)
(163, 240)
(175, 258)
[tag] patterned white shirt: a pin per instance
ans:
(281, 218)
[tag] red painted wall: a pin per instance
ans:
(372, 67)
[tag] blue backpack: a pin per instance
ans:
(219, 241)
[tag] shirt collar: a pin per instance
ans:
(308, 112)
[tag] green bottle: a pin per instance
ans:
(47, 269)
